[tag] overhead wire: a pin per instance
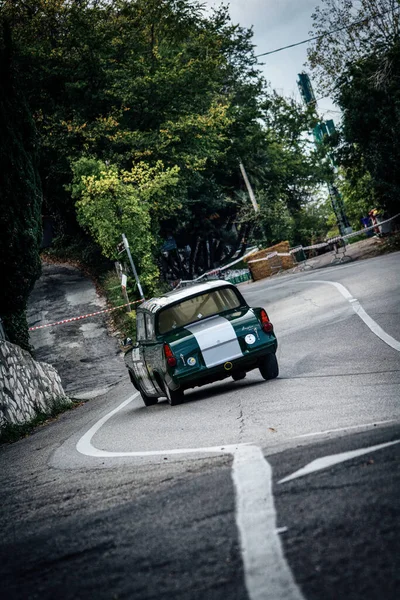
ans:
(318, 37)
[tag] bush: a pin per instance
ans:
(12, 432)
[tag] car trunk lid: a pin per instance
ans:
(217, 340)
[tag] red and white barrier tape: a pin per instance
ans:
(270, 255)
(328, 242)
(99, 312)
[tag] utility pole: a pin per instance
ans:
(249, 188)
(325, 128)
(126, 246)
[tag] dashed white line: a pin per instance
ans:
(328, 461)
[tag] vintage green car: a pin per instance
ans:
(197, 335)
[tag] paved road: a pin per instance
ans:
(85, 355)
(201, 500)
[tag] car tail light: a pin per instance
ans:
(265, 322)
(171, 360)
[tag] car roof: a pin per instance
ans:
(177, 295)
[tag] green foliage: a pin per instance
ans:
(292, 175)
(310, 223)
(376, 25)
(20, 200)
(110, 202)
(116, 84)
(361, 66)
(369, 95)
(124, 321)
(357, 190)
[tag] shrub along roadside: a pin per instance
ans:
(123, 322)
(12, 432)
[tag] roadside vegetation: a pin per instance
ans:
(12, 432)
(133, 116)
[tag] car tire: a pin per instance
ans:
(239, 375)
(148, 400)
(174, 397)
(268, 366)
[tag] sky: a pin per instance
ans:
(278, 23)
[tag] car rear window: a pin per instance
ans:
(198, 307)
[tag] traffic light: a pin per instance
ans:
(322, 129)
(319, 131)
(305, 89)
(330, 125)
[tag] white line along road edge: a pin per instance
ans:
(267, 574)
(358, 309)
(85, 446)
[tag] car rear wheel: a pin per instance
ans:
(239, 375)
(174, 397)
(269, 367)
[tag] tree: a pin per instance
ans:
(20, 199)
(358, 27)
(357, 190)
(110, 202)
(144, 81)
(292, 174)
(369, 95)
(361, 64)
(129, 83)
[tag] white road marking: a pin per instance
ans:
(314, 433)
(334, 459)
(267, 574)
(85, 446)
(358, 309)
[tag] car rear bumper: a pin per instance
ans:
(204, 375)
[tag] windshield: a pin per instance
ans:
(199, 307)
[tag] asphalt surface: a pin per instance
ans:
(87, 358)
(343, 525)
(149, 506)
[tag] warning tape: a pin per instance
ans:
(328, 242)
(99, 312)
(338, 238)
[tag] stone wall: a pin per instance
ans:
(26, 386)
(266, 268)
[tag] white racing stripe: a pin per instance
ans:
(267, 574)
(358, 309)
(217, 340)
(328, 461)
